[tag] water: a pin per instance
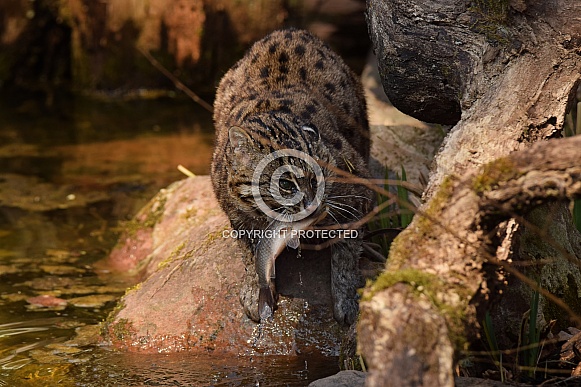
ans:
(69, 174)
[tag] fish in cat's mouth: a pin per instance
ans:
(268, 249)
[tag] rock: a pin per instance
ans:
(46, 301)
(397, 140)
(420, 72)
(348, 378)
(92, 301)
(190, 299)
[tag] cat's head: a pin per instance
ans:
(282, 173)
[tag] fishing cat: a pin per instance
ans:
(292, 93)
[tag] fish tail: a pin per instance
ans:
(265, 303)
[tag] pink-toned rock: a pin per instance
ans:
(190, 299)
(46, 301)
(129, 252)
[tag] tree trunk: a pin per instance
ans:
(440, 274)
(504, 72)
(96, 44)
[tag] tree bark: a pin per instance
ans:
(504, 73)
(440, 273)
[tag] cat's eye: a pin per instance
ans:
(287, 185)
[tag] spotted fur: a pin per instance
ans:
(291, 91)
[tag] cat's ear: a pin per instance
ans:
(239, 138)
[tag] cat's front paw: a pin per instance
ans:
(345, 310)
(345, 279)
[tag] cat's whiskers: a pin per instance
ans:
(344, 210)
(349, 196)
(285, 214)
(332, 215)
(346, 205)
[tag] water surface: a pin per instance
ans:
(70, 174)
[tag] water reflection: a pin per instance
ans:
(215, 370)
(68, 177)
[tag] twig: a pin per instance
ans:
(186, 171)
(178, 84)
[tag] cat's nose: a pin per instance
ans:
(307, 200)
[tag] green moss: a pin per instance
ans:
(122, 329)
(492, 174)
(211, 237)
(110, 320)
(118, 308)
(196, 216)
(435, 290)
(134, 288)
(493, 10)
(203, 246)
(156, 211)
(424, 284)
(172, 256)
(418, 280)
(152, 212)
(414, 236)
(439, 200)
(491, 19)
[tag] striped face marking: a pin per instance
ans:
(314, 132)
(285, 185)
